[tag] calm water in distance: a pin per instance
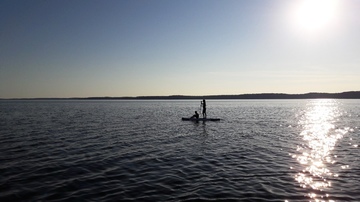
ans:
(261, 150)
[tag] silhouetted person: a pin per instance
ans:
(203, 104)
(196, 115)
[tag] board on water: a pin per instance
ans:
(200, 119)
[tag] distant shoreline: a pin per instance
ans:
(342, 95)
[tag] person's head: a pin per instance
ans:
(195, 112)
(203, 100)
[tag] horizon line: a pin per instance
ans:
(309, 95)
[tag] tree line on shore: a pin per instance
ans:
(342, 95)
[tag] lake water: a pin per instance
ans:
(261, 150)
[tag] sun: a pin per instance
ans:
(313, 16)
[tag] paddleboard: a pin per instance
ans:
(200, 119)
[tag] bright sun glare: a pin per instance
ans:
(312, 16)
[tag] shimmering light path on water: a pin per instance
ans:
(261, 150)
(321, 133)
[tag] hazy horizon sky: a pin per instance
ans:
(86, 48)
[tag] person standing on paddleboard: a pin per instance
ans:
(203, 105)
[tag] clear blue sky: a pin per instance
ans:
(82, 48)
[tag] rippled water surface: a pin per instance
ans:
(261, 150)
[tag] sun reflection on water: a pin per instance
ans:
(320, 136)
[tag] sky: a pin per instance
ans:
(90, 48)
